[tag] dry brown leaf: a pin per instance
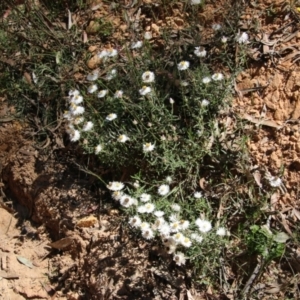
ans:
(257, 178)
(61, 244)
(261, 122)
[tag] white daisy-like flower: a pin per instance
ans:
(148, 35)
(111, 75)
(145, 197)
(176, 207)
(75, 136)
(148, 234)
(196, 237)
(74, 93)
(112, 52)
(216, 27)
(116, 195)
(200, 51)
(136, 184)
(69, 128)
(98, 149)
(103, 54)
(137, 45)
(145, 90)
(149, 207)
(174, 218)
(102, 93)
(165, 230)
(203, 225)
(118, 94)
(78, 120)
(123, 138)
(111, 117)
(197, 195)
(159, 213)
(92, 88)
(144, 226)
(135, 221)
(178, 237)
(76, 99)
(148, 77)
(275, 181)
(242, 38)
(186, 242)
(204, 103)
(169, 179)
(115, 186)
(224, 39)
(76, 109)
(126, 201)
(183, 65)
(196, 2)
(184, 224)
(221, 231)
(206, 80)
(163, 190)
(217, 77)
(141, 209)
(88, 126)
(158, 223)
(68, 115)
(148, 147)
(179, 258)
(94, 75)
(175, 226)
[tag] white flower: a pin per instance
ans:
(275, 182)
(141, 209)
(126, 201)
(92, 88)
(78, 120)
(158, 223)
(88, 126)
(174, 218)
(145, 197)
(159, 213)
(200, 51)
(93, 75)
(148, 35)
(176, 207)
(224, 39)
(165, 230)
(68, 115)
(123, 138)
(169, 179)
(197, 195)
(116, 195)
(102, 93)
(115, 186)
(76, 109)
(75, 136)
(204, 102)
(98, 149)
(221, 231)
(112, 52)
(144, 226)
(175, 226)
(178, 237)
(76, 99)
(206, 80)
(179, 258)
(217, 76)
(203, 225)
(186, 242)
(216, 27)
(73, 93)
(103, 54)
(137, 45)
(183, 65)
(171, 101)
(148, 234)
(184, 224)
(111, 117)
(243, 38)
(148, 147)
(196, 2)
(118, 94)
(145, 90)
(148, 77)
(136, 184)
(135, 221)
(149, 207)
(196, 237)
(111, 75)
(163, 190)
